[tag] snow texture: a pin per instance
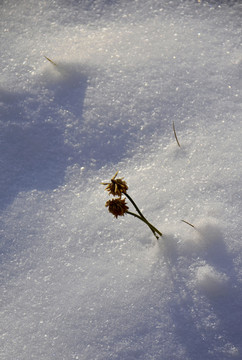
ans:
(76, 283)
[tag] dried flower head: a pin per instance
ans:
(117, 207)
(116, 187)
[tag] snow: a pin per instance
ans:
(76, 283)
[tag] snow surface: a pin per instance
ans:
(76, 283)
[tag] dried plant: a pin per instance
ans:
(116, 187)
(186, 222)
(174, 130)
(51, 61)
(118, 206)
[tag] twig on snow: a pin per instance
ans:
(51, 61)
(174, 130)
(186, 222)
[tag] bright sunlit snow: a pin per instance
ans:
(76, 283)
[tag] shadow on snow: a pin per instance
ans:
(203, 340)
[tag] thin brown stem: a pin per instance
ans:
(136, 207)
(141, 215)
(152, 228)
(174, 130)
(51, 61)
(186, 222)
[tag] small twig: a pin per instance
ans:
(186, 222)
(52, 62)
(174, 130)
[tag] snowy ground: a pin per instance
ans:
(76, 283)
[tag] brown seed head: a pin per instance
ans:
(117, 207)
(116, 187)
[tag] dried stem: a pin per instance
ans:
(141, 217)
(136, 207)
(138, 210)
(174, 130)
(152, 228)
(52, 62)
(186, 222)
